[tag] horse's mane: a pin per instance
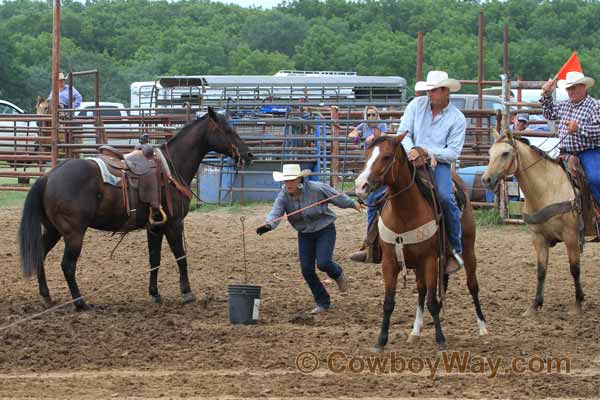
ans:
(380, 139)
(535, 149)
(190, 126)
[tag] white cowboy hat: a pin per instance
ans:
(437, 79)
(61, 76)
(289, 172)
(575, 78)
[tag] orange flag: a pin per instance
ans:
(572, 64)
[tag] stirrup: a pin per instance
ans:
(458, 258)
(162, 214)
(455, 257)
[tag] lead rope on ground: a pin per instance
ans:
(61, 305)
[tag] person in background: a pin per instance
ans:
(315, 226)
(520, 122)
(63, 94)
(369, 131)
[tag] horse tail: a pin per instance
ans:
(31, 246)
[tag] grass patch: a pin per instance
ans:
(11, 198)
(234, 208)
(487, 217)
(347, 185)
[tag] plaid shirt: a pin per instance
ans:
(587, 115)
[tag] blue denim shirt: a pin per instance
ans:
(312, 219)
(63, 97)
(367, 130)
(443, 136)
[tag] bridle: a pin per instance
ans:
(514, 160)
(379, 182)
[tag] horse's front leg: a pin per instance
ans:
(418, 325)
(433, 305)
(174, 232)
(572, 245)
(390, 270)
(155, 237)
(541, 250)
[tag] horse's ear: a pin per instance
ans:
(399, 138)
(212, 114)
(496, 134)
(38, 100)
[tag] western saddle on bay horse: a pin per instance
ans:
(144, 175)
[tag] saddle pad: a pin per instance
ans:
(164, 162)
(107, 177)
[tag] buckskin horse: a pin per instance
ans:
(72, 197)
(410, 217)
(549, 205)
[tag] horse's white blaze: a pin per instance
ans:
(418, 322)
(360, 182)
(482, 327)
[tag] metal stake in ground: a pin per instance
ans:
(242, 219)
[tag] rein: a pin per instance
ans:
(512, 143)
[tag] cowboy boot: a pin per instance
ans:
(454, 264)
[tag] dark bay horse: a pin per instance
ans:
(72, 198)
(410, 215)
(545, 184)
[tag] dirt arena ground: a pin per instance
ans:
(128, 347)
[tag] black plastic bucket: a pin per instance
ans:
(244, 304)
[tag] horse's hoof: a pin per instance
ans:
(156, 299)
(47, 301)
(577, 309)
(530, 312)
(187, 298)
(376, 349)
(412, 339)
(483, 331)
(82, 307)
(442, 346)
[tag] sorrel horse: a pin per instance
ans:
(406, 213)
(544, 183)
(72, 198)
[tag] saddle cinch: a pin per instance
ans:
(142, 179)
(424, 181)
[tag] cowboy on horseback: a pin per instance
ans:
(579, 123)
(438, 127)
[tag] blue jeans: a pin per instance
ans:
(317, 247)
(372, 199)
(442, 177)
(590, 160)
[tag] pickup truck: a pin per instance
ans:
(88, 110)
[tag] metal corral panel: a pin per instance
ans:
(221, 81)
